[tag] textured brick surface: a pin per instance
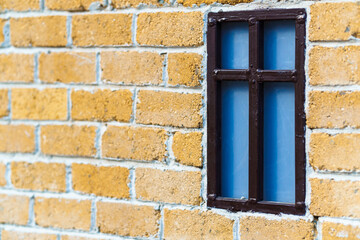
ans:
(169, 109)
(102, 105)
(101, 181)
(69, 5)
(185, 69)
(17, 67)
(132, 67)
(187, 148)
(4, 103)
(14, 209)
(2, 174)
(74, 237)
(127, 219)
(189, 3)
(19, 5)
(17, 138)
(74, 67)
(13, 235)
(170, 29)
(135, 3)
(2, 25)
(338, 231)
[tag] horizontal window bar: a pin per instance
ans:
(276, 75)
(226, 74)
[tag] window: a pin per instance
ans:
(256, 119)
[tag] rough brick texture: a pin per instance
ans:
(17, 138)
(338, 231)
(185, 69)
(14, 209)
(13, 235)
(19, 5)
(17, 67)
(69, 5)
(2, 25)
(187, 148)
(74, 237)
(4, 103)
(2, 174)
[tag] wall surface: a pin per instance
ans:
(103, 122)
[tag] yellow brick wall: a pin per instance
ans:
(103, 122)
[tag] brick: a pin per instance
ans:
(169, 109)
(334, 66)
(335, 152)
(101, 181)
(69, 5)
(2, 174)
(134, 143)
(186, 224)
(127, 220)
(334, 21)
(17, 138)
(19, 5)
(47, 104)
(4, 103)
(45, 31)
(102, 105)
(170, 29)
(334, 109)
(185, 69)
(101, 29)
(262, 229)
(338, 231)
(14, 209)
(39, 176)
(334, 198)
(168, 186)
(74, 67)
(68, 140)
(136, 3)
(2, 25)
(17, 67)
(187, 148)
(138, 68)
(63, 213)
(73, 237)
(12, 235)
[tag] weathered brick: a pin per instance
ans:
(136, 3)
(185, 69)
(63, 213)
(127, 219)
(39, 176)
(170, 29)
(31, 103)
(17, 67)
(334, 198)
(4, 103)
(12, 235)
(68, 140)
(64, 67)
(187, 148)
(14, 209)
(2, 25)
(132, 67)
(334, 66)
(186, 224)
(101, 29)
(2, 174)
(334, 21)
(69, 5)
(335, 152)
(44, 31)
(333, 109)
(338, 231)
(189, 3)
(168, 186)
(134, 143)
(74, 237)
(17, 138)
(101, 181)
(169, 109)
(19, 5)
(262, 229)
(102, 105)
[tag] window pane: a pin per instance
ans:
(279, 142)
(235, 45)
(234, 139)
(279, 45)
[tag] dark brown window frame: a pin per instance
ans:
(256, 77)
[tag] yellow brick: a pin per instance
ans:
(333, 109)
(47, 104)
(73, 237)
(185, 69)
(19, 5)
(2, 174)
(193, 225)
(335, 152)
(17, 67)
(132, 67)
(101, 181)
(2, 25)
(14, 209)
(187, 148)
(101, 29)
(169, 109)
(45, 31)
(12, 235)
(69, 5)
(63, 213)
(334, 21)
(334, 66)
(39, 176)
(68, 140)
(168, 186)
(74, 67)
(170, 29)
(338, 231)
(127, 220)
(102, 105)
(262, 229)
(17, 138)
(334, 198)
(136, 3)
(4, 103)
(134, 143)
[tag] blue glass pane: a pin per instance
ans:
(235, 139)
(235, 45)
(279, 142)
(279, 45)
